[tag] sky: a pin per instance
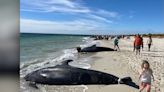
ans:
(92, 16)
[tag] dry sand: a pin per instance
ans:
(125, 63)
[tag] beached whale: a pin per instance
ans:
(65, 74)
(93, 48)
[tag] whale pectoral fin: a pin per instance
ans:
(33, 85)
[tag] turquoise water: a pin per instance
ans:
(39, 46)
(42, 50)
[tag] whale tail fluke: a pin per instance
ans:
(127, 81)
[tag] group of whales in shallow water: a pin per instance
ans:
(64, 74)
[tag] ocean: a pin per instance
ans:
(44, 50)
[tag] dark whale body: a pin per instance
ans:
(67, 75)
(97, 49)
(94, 48)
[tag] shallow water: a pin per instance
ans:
(38, 51)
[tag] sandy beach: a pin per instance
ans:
(125, 63)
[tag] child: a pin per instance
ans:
(145, 76)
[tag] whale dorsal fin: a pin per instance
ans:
(66, 62)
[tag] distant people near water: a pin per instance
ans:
(116, 41)
(149, 42)
(128, 37)
(137, 44)
(145, 76)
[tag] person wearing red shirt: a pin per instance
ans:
(138, 44)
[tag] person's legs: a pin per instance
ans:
(139, 49)
(142, 86)
(136, 51)
(142, 46)
(148, 87)
(134, 48)
(118, 47)
(114, 47)
(149, 45)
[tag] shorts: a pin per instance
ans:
(146, 82)
(137, 47)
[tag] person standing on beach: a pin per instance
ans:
(137, 44)
(142, 45)
(145, 76)
(149, 42)
(116, 41)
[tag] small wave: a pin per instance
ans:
(38, 64)
(90, 43)
(26, 64)
(85, 38)
(53, 61)
(80, 65)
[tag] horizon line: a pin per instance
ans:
(87, 34)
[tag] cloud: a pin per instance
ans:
(63, 2)
(88, 18)
(66, 6)
(107, 13)
(79, 26)
(53, 6)
(99, 18)
(76, 26)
